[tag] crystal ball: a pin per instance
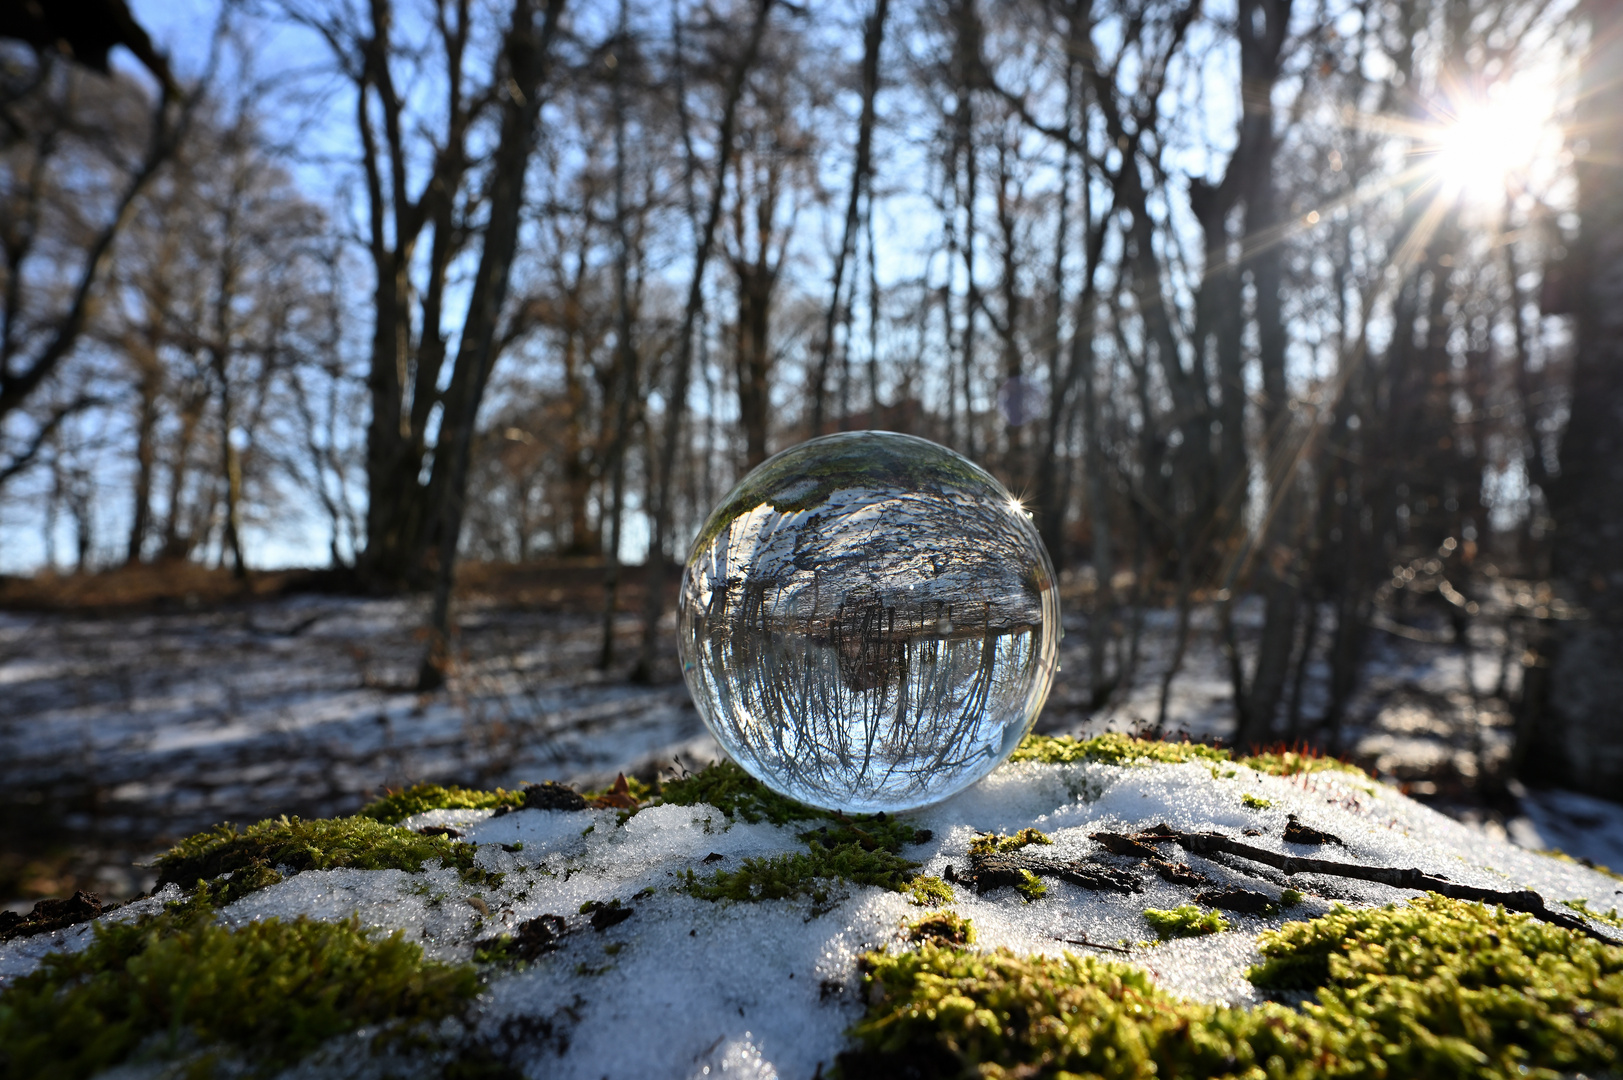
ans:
(868, 622)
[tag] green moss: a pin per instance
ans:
(1290, 898)
(736, 793)
(271, 990)
(1465, 944)
(862, 850)
(870, 833)
(930, 891)
(990, 844)
(797, 874)
(499, 950)
(1438, 988)
(1185, 921)
(225, 889)
(1611, 918)
(1113, 748)
(943, 928)
(397, 806)
(1252, 802)
(1031, 886)
(299, 845)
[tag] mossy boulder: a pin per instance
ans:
(711, 924)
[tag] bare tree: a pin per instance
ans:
(42, 105)
(676, 404)
(873, 41)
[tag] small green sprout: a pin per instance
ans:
(1031, 886)
(1185, 921)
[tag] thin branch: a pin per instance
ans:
(1206, 843)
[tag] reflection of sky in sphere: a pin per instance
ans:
(869, 622)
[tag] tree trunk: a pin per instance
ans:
(220, 349)
(525, 58)
(577, 471)
(1262, 28)
(756, 283)
(1580, 742)
(626, 379)
(873, 38)
(178, 540)
(400, 510)
(146, 423)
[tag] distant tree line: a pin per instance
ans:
(1193, 278)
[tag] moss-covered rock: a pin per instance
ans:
(1430, 988)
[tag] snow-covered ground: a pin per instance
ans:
(126, 732)
(690, 988)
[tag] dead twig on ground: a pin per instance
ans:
(1083, 940)
(1205, 843)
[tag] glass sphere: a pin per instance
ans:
(868, 622)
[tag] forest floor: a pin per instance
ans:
(136, 714)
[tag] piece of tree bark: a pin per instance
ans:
(1007, 869)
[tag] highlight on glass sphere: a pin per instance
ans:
(869, 622)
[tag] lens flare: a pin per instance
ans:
(1486, 145)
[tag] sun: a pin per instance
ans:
(1486, 145)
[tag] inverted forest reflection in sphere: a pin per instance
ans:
(868, 622)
